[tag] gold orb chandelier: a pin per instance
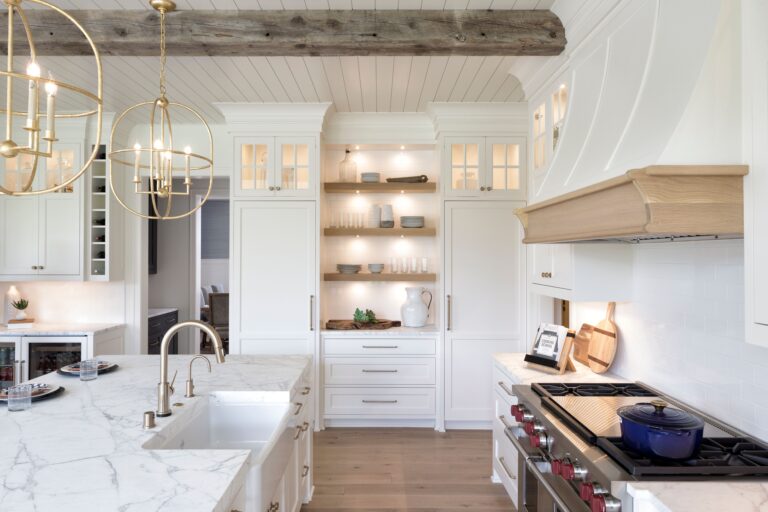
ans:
(26, 144)
(159, 160)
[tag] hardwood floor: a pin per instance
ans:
(388, 470)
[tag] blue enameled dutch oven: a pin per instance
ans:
(658, 431)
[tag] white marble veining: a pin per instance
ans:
(58, 329)
(429, 331)
(514, 365)
(699, 496)
(83, 450)
(153, 312)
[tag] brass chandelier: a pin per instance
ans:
(159, 160)
(23, 147)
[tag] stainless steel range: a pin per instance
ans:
(572, 459)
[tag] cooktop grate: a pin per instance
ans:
(592, 389)
(731, 456)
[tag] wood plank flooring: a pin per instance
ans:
(392, 470)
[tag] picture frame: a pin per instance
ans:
(551, 349)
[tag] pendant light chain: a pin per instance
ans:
(162, 53)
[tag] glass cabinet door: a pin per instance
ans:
(60, 168)
(465, 164)
(295, 172)
(505, 173)
(254, 167)
(8, 357)
(46, 355)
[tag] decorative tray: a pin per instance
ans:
(39, 392)
(73, 370)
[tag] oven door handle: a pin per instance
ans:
(539, 474)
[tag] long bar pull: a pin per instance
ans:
(311, 312)
(449, 304)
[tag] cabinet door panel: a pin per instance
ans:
(274, 269)
(61, 245)
(18, 235)
(296, 169)
(484, 262)
(463, 166)
(254, 166)
(541, 264)
(505, 176)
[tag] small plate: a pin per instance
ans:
(73, 370)
(39, 392)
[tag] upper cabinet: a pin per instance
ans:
(41, 237)
(484, 167)
(280, 167)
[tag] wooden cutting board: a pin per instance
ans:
(602, 345)
(581, 343)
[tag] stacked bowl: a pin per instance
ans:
(412, 221)
(346, 268)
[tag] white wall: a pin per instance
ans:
(683, 332)
(72, 302)
(215, 272)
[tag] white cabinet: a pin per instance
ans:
(756, 182)
(582, 272)
(484, 287)
(274, 277)
(484, 167)
(41, 237)
(279, 167)
(505, 455)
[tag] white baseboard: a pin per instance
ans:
(468, 425)
(386, 423)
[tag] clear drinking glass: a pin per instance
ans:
(20, 397)
(89, 369)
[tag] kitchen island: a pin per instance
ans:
(82, 451)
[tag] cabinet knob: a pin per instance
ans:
(34, 267)
(277, 188)
(271, 188)
(546, 275)
(482, 189)
(40, 267)
(489, 189)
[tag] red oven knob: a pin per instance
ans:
(556, 466)
(566, 471)
(586, 489)
(528, 427)
(517, 413)
(604, 503)
(538, 440)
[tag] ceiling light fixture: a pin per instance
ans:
(156, 163)
(22, 159)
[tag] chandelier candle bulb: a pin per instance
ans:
(187, 176)
(32, 70)
(50, 110)
(137, 164)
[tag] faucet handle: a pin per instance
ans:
(170, 386)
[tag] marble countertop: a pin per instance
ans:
(59, 329)
(519, 372)
(700, 496)
(395, 332)
(153, 312)
(83, 452)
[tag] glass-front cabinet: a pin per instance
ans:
(275, 166)
(485, 167)
(9, 362)
(27, 357)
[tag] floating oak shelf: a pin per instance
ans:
(380, 231)
(380, 188)
(380, 277)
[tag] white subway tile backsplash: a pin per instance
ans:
(683, 332)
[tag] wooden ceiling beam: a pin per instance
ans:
(301, 33)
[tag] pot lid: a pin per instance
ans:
(657, 413)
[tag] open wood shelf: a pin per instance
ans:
(380, 277)
(380, 231)
(380, 188)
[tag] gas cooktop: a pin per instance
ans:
(592, 389)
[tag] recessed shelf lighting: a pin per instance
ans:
(402, 147)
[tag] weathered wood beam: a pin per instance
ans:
(301, 33)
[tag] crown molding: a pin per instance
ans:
(378, 128)
(273, 118)
(488, 119)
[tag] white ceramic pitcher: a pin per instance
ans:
(414, 312)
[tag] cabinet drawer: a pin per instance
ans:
(379, 402)
(379, 370)
(379, 346)
(502, 386)
(505, 462)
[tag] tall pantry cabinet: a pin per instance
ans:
(274, 230)
(483, 183)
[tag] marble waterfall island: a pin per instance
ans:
(87, 451)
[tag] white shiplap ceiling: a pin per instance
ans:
(352, 84)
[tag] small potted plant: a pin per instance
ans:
(20, 305)
(366, 317)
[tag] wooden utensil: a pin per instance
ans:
(602, 346)
(581, 343)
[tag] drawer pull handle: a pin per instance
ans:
(506, 469)
(306, 391)
(506, 388)
(380, 346)
(379, 371)
(546, 275)
(305, 472)
(503, 420)
(274, 507)
(379, 401)
(299, 406)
